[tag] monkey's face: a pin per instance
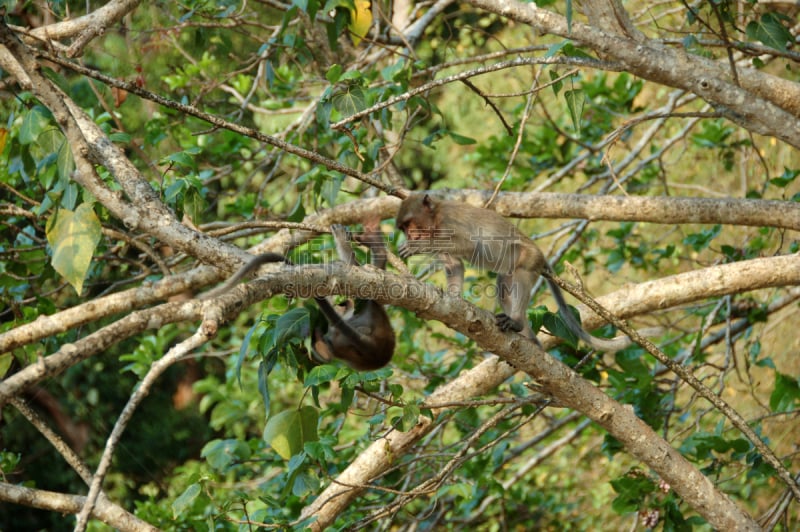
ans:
(416, 232)
(416, 217)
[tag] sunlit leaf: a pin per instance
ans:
(5, 362)
(73, 237)
(287, 431)
(65, 163)
(360, 20)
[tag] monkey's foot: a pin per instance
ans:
(340, 231)
(507, 323)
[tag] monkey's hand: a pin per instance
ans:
(414, 247)
(507, 323)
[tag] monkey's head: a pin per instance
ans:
(417, 216)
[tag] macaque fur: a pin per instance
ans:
(457, 231)
(362, 334)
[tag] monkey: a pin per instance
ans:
(455, 231)
(362, 334)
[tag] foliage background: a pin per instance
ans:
(206, 448)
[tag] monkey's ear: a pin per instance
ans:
(428, 202)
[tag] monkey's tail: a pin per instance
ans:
(601, 344)
(252, 265)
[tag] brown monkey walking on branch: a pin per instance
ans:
(457, 231)
(362, 334)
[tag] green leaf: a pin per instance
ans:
(50, 140)
(395, 71)
(292, 324)
(243, 349)
(558, 327)
(460, 139)
(554, 49)
(5, 362)
(65, 163)
(220, 454)
(120, 137)
(182, 159)
(321, 375)
(288, 431)
(785, 393)
(410, 417)
(703, 445)
(33, 123)
(785, 179)
(701, 240)
(298, 213)
(185, 500)
(632, 490)
(557, 85)
(331, 186)
(263, 384)
(714, 134)
(408, 420)
(74, 237)
(350, 101)
(569, 16)
(334, 73)
(770, 31)
(576, 101)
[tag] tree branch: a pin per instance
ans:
(106, 510)
(633, 300)
(53, 501)
(764, 104)
(688, 377)
(177, 352)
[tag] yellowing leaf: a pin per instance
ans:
(5, 362)
(3, 137)
(289, 430)
(360, 20)
(73, 237)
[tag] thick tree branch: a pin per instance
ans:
(661, 209)
(633, 300)
(192, 280)
(70, 354)
(763, 104)
(106, 512)
(427, 301)
(652, 209)
(688, 377)
(94, 23)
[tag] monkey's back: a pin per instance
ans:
(484, 238)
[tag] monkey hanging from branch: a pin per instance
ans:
(361, 333)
